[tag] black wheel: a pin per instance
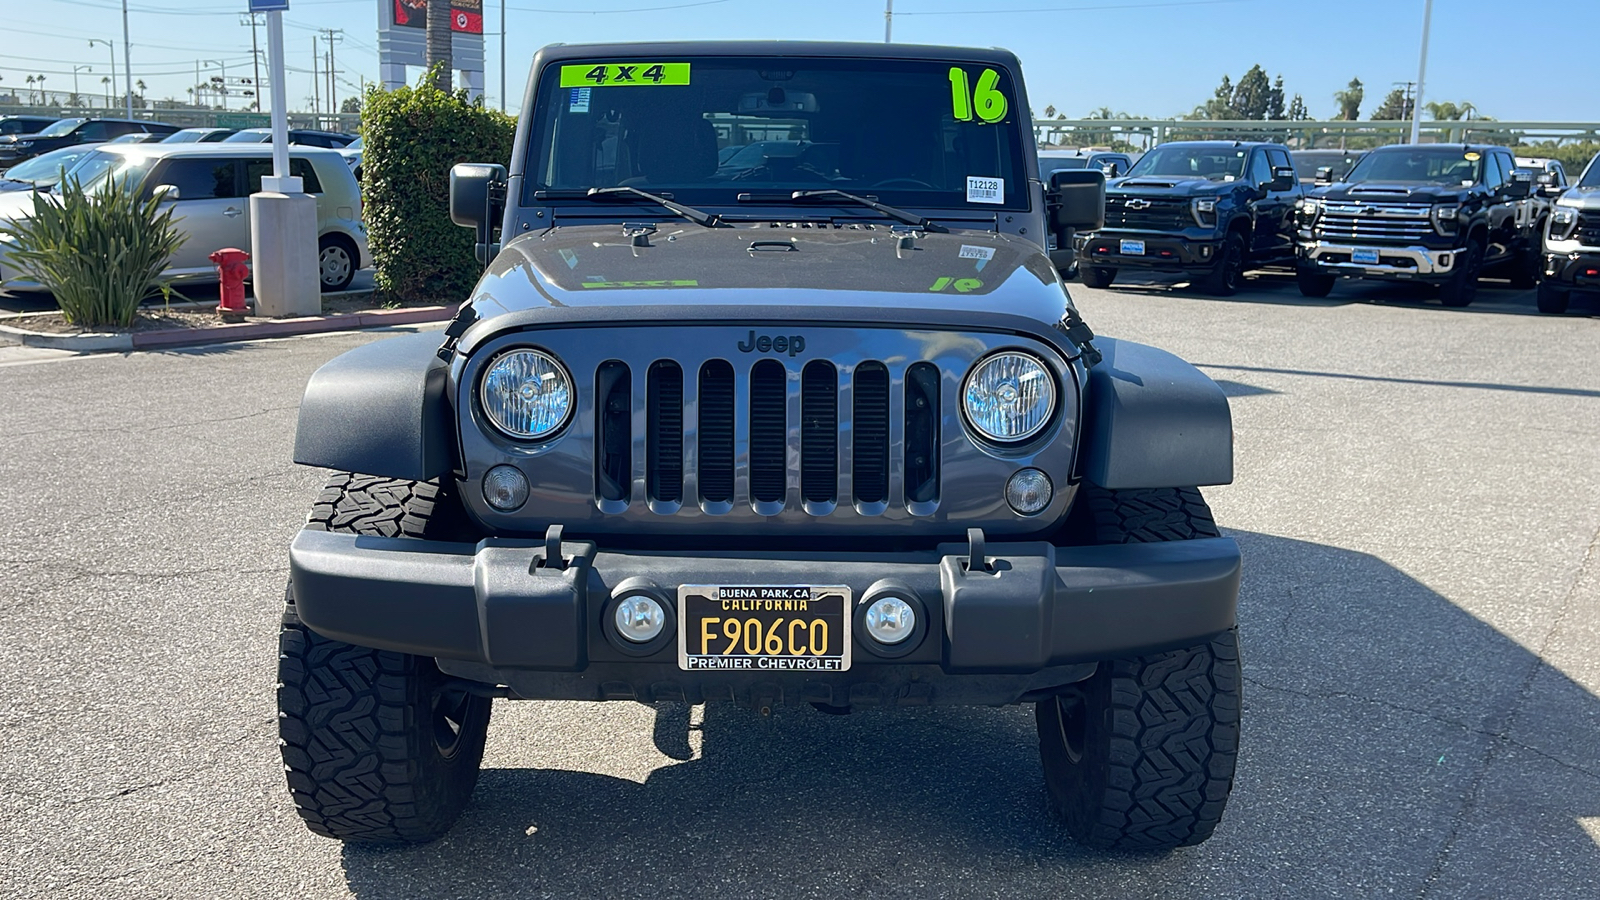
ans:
(1097, 276)
(1525, 265)
(1227, 273)
(378, 746)
(337, 261)
(1553, 299)
(1313, 283)
(1462, 286)
(1141, 755)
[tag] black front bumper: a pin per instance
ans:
(1039, 617)
(1161, 252)
(1579, 271)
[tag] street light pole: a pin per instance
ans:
(113, 48)
(888, 22)
(1422, 70)
(75, 71)
(502, 55)
(127, 64)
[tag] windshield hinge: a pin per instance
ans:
(1080, 334)
(458, 326)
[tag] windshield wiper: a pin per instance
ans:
(697, 216)
(893, 212)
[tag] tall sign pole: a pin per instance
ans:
(283, 218)
(280, 93)
(888, 23)
(1422, 70)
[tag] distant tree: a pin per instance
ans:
(1050, 111)
(1275, 100)
(1297, 109)
(1349, 100)
(1394, 107)
(1451, 112)
(1252, 98)
(350, 105)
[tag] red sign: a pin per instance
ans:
(466, 16)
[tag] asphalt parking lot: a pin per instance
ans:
(1418, 499)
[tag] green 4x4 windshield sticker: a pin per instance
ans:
(608, 74)
(986, 99)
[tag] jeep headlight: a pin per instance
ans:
(527, 394)
(1445, 219)
(1009, 397)
(1563, 222)
(1205, 211)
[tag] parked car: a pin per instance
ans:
(352, 155)
(208, 185)
(1435, 214)
(26, 124)
(138, 138)
(199, 135)
(67, 132)
(44, 171)
(1323, 166)
(856, 423)
(1571, 244)
(1205, 209)
(305, 137)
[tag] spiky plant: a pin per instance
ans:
(99, 253)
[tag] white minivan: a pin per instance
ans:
(209, 186)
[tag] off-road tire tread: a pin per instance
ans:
(1146, 516)
(356, 741)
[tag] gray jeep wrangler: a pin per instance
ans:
(769, 395)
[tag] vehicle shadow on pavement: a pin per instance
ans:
(1393, 743)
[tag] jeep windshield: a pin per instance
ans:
(1211, 163)
(1434, 165)
(703, 131)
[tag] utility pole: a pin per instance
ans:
(503, 55)
(888, 23)
(334, 36)
(255, 55)
(1405, 107)
(1422, 69)
(316, 78)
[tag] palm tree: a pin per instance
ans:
(106, 80)
(43, 97)
(439, 51)
(30, 89)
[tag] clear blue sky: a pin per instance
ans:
(1144, 57)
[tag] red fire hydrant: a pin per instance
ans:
(233, 269)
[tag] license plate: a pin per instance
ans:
(1133, 248)
(1364, 257)
(769, 628)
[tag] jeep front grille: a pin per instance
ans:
(1378, 222)
(744, 455)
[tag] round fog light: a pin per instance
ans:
(1029, 491)
(891, 620)
(640, 618)
(506, 488)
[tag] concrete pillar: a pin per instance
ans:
(285, 274)
(473, 82)
(393, 75)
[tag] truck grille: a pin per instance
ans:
(1376, 222)
(1588, 230)
(1161, 214)
(787, 410)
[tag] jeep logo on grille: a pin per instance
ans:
(767, 343)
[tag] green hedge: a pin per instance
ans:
(413, 135)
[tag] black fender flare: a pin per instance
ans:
(380, 409)
(1152, 420)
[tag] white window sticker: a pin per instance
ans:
(970, 252)
(580, 100)
(985, 190)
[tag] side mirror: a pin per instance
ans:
(1520, 186)
(1546, 179)
(477, 200)
(1077, 202)
(1283, 179)
(165, 193)
(1111, 169)
(1324, 175)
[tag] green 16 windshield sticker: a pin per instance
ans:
(985, 99)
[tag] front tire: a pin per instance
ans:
(1313, 283)
(1141, 755)
(1097, 276)
(1462, 285)
(1553, 299)
(337, 261)
(1227, 273)
(378, 747)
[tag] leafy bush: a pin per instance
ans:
(413, 135)
(100, 254)
(1573, 156)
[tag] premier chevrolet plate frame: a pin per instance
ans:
(764, 627)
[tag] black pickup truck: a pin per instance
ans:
(1206, 209)
(1436, 214)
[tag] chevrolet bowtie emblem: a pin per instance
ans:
(1138, 204)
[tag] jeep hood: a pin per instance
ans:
(1392, 192)
(788, 269)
